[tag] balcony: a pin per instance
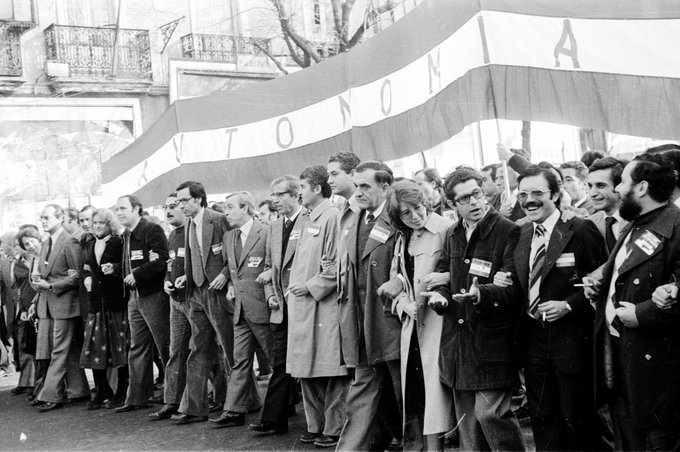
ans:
(82, 56)
(11, 68)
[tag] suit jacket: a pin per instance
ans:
(279, 264)
(148, 248)
(579, 247)
(478, 346)
(107, 290)
(214, 226)
(651, 364)
(372, 317)
(62, 270)
(176, 252)
(9, 296)
(251, 297)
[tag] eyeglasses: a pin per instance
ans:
(465, 199)
(409, 214)
(536, 194)
(279, 194)
(183, 200)
(170, 206)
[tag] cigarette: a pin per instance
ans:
(544, 316)
(584, 285)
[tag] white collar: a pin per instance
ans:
(550, 222)
(245, 229)
(376, 213)
(294, 216)
(198, 218)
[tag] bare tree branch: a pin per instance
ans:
(271, 57)
(310, 53)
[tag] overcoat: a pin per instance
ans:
(371, 317)
(314, 348)
(650, 370)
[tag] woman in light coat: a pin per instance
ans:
(427, 402)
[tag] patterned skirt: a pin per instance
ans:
(107, 340)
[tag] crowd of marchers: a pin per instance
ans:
(405, 314)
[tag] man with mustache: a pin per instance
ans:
(637, 340)
(551, 256)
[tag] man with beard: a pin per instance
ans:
(637, 341)
(556, 326)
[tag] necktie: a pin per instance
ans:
(128, 264)
(238, 245)
(49, 249)
(288, 225)
(536, 268)
(370, 218)
(609, 237)
(196, 260)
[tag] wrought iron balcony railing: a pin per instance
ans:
(89, 51)
(10, 50)
(221, 47)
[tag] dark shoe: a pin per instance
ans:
(263, 377)
(267, 427)
(158, 400)
(94, 405)
(308, 437)
(396, 445)
(183, 419)
(164, 413)
(21, 390)
(36, 402)
(326, 441)
(125, 408)
(49, 406)
(110, 404)
(79, 399)
(31, 397)
(214, 407)
(229, 419)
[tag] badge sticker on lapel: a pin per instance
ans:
(380, 234)
(648, 242)
(254, 261)
(216, 248)
(294, 234)
(566, 260)
(480, 267)
(180, 252)
(171, 253)
(136, 255)
(313, 230)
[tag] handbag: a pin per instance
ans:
(30, 339)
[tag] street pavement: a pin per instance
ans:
(23, 427)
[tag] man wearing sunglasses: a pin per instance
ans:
(477, 355)
(556, 324)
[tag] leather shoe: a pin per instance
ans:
(49, 406)
(326, 441)
(125, 408)
(214, 407)
(267, 427)
(229, 419)
(308, 437)
(36, 402)
(157, 399)
(183, 419)
(164, 413)
(21, 390)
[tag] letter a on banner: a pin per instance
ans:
(571, 52)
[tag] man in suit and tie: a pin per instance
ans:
(369, 330)
(637, 339)
(603, 177)
(551, 256)
(60, 260)
(205, 277)
(575, 177)
(284, 234)
(145, 256)
(245, 250)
